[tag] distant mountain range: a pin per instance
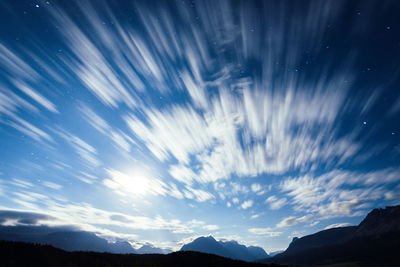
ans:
(375, 241)
(273, 253)
(149, 249)
(71, 240)
(228, 249)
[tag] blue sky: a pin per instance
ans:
(160, 121)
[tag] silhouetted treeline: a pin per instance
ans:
(26, 254)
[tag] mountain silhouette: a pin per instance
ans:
(149, 249)
(121, 247)
(374, 242)
(228, 249)
(257, 252)
(206, 245)
(76, 241)
(71, 239)
(380, 221)
(273, 253)
(323, 238)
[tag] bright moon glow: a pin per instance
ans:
(131, 184)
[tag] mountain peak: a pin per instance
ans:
(150, 249)
(210, 237)
(380, 221)
(229, 249)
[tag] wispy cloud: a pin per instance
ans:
(288, 221)
(86, 177)
(265, 231)
(327, 195)
(52, 185)
(291, 220)
(247, 204)
(97, 71)
(395, 108)
(212, 140)
(255, 187)
(178, 132)
(30, 130)
(255, 216)
(335, 225)
(10, 103)
(19, 74)
(120, 139)
(82, 148)
(274, 203)
(21, 183)
(89, 218)
(211, 227)
(197, 194)
(16, 66)
(36, 96)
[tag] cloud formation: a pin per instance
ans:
(329, 195)
(12, 217)
(291, 220)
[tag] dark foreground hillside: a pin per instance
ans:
(374, 242)
(25, 254)
(361, 251)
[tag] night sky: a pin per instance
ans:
(161, 121)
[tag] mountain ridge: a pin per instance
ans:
(70, 239)
(229, 249)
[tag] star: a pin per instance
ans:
(36, 5)
(388, 27)
(365, 123)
